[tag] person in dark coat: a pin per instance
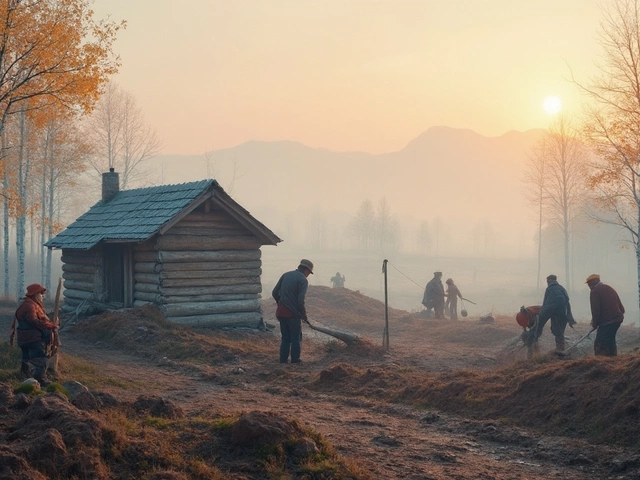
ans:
(607, 314)
(338, 280)
(453, 293)
(34, 331)
(555, 306)
(289, 294)
(433, 297)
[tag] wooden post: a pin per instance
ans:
(53, 361)
(385, 335)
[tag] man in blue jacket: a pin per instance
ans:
(289, 294)
(555, 306)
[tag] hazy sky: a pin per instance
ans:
(366, 75)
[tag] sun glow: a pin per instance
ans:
(552, 105)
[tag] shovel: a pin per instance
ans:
(568, 350)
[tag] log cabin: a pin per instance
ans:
(189, 248)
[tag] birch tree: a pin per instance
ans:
(535, 193)
(565, 171)
(53, 54)
(613, 124)
(120, 137)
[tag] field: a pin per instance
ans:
(447, 400)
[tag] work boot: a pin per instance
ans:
(560, 347)
(25, 369)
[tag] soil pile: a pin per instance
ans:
(152, 439)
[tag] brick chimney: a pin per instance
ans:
(110, 185)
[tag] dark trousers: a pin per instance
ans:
(438, 308)
(605, 342)
(558, 326)
(34, 353)
(291, 330)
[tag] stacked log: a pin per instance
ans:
(81, 271)
(205, 271)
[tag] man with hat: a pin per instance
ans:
(555, 306)
(607, 313)
(289, 294)
(433, 297)
(34, 332)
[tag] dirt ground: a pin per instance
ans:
(392, 439)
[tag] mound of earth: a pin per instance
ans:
(152, 439)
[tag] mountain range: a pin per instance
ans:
(456, 177)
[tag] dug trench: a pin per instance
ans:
(447, 400)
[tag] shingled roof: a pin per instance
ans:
(136, 215)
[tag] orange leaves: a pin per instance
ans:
(52, 52)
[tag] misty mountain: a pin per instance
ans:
(455, 175)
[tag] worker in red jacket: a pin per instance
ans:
(34, 331)
(607, 313)
(527, 318)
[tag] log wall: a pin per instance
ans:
(204, 271)
(83, 277)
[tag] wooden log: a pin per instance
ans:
(146, 287)
(215, 273)
(149, 246)
(208, 232)
(77, 268)
(145, 256)
(239, 319)
(75, 252)
(82, 277)
(222, 225)
(210, 256)
(140, 303)
(78, 294)
(209, 266)
(80, 260)
(205, 308)
(349, 338)
(212, 216)
(78, 285)
(208, 282)
(147, 267)
(180, 243)
(149, 297)
(208, 298)
(72, 302)
(214, 290)
(153, 278)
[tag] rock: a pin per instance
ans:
(259, 428)
(21, 401)
(305, 448)
(158, 407)
(105, 399)
(74, 388)
(6, 394)
(85, 401)
(33, 382)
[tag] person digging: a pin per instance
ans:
(557, 308)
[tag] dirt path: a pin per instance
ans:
(391, 441)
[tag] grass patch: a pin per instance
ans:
(87, 373)
(10, 358)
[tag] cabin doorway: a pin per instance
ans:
(118, 285)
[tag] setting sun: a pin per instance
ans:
(552, 105)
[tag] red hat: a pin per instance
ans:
(35, 288)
